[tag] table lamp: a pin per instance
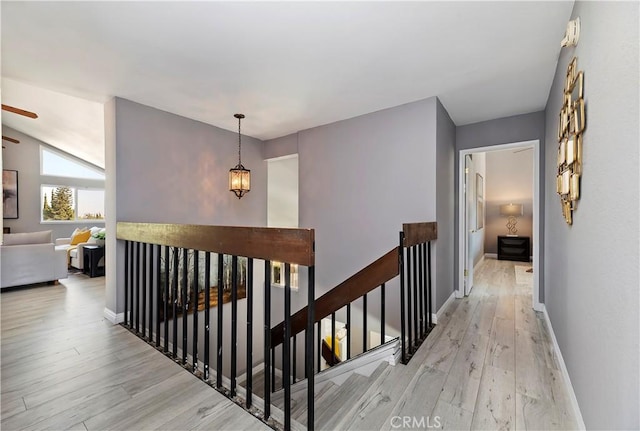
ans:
(511, 211)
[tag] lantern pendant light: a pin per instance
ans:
(239, 177)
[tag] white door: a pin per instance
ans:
(470, 222)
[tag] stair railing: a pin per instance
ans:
(168, 281)
(416, 307)
(411, 260)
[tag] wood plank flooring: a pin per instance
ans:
(64, 367)
(488, 364)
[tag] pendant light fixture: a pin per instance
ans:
(239, 177)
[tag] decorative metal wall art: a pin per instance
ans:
(571, 125)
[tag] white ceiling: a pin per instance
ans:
(288, 66)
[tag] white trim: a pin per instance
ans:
(491, 255)
(537, 214)
(480, 262)
(364, 364)
(435, 316)
(563, 368)
(112, 316)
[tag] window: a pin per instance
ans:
(277, 275)
(65, 203)
(71, 190)
(58, 165)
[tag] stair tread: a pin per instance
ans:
(300, 412)
(348, 393)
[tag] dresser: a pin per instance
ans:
(514, 248)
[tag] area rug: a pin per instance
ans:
(522, 274)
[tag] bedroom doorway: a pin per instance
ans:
(478, 216)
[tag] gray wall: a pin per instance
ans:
(25, 158)
(171, 169)
(591, 278)
(279, 147)
(509, 179)
(445, 195)
(518, 128)
(360, 179)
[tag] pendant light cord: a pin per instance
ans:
(239, 141)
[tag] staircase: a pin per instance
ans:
(167, 302)
(333, 401)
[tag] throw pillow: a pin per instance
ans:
(80, 237)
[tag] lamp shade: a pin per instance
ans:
(511, 210)
(239, 180)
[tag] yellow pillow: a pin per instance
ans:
(80, 237)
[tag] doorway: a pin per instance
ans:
(471, 207)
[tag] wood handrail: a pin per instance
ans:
(275, 244)
(419, 233)
(364, 281)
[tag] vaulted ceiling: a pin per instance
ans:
(288, 66)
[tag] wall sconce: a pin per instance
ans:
(511, 211)
(572, 35)
(239, 177)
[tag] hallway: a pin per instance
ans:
(488, 364)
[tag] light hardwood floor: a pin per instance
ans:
(64, 367)
(488, 364)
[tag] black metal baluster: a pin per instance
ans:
(196, 287)
(234, 322)
(286, 348)
(420, 288)
(311, 307)
(319, 350)
(165, 303)
(137, 279)
(219, 329)
(402, 302)
(126, 283)
(409, 321)
(151, 288)
(248, 282)
(429, 308)
(364, 323)
(268, 350)
(333, 338)
(185, 304)
(382, 314)
(349, 331)
(175, 303)
(159, 286)
(207, 317)
(415, 296)
(144, 290)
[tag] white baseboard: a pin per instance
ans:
(491, 255)
(113, 317)
(563, 369)
(434, 316)
(480, 262)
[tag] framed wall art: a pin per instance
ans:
(10, 194)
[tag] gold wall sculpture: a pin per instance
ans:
(571, 125)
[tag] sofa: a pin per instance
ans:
(27, 258)
(76, 253)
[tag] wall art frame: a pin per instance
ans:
(10, 194)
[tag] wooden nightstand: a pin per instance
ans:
(514, 248)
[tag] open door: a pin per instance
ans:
(469, 220)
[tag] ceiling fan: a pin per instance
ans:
(19, 112)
